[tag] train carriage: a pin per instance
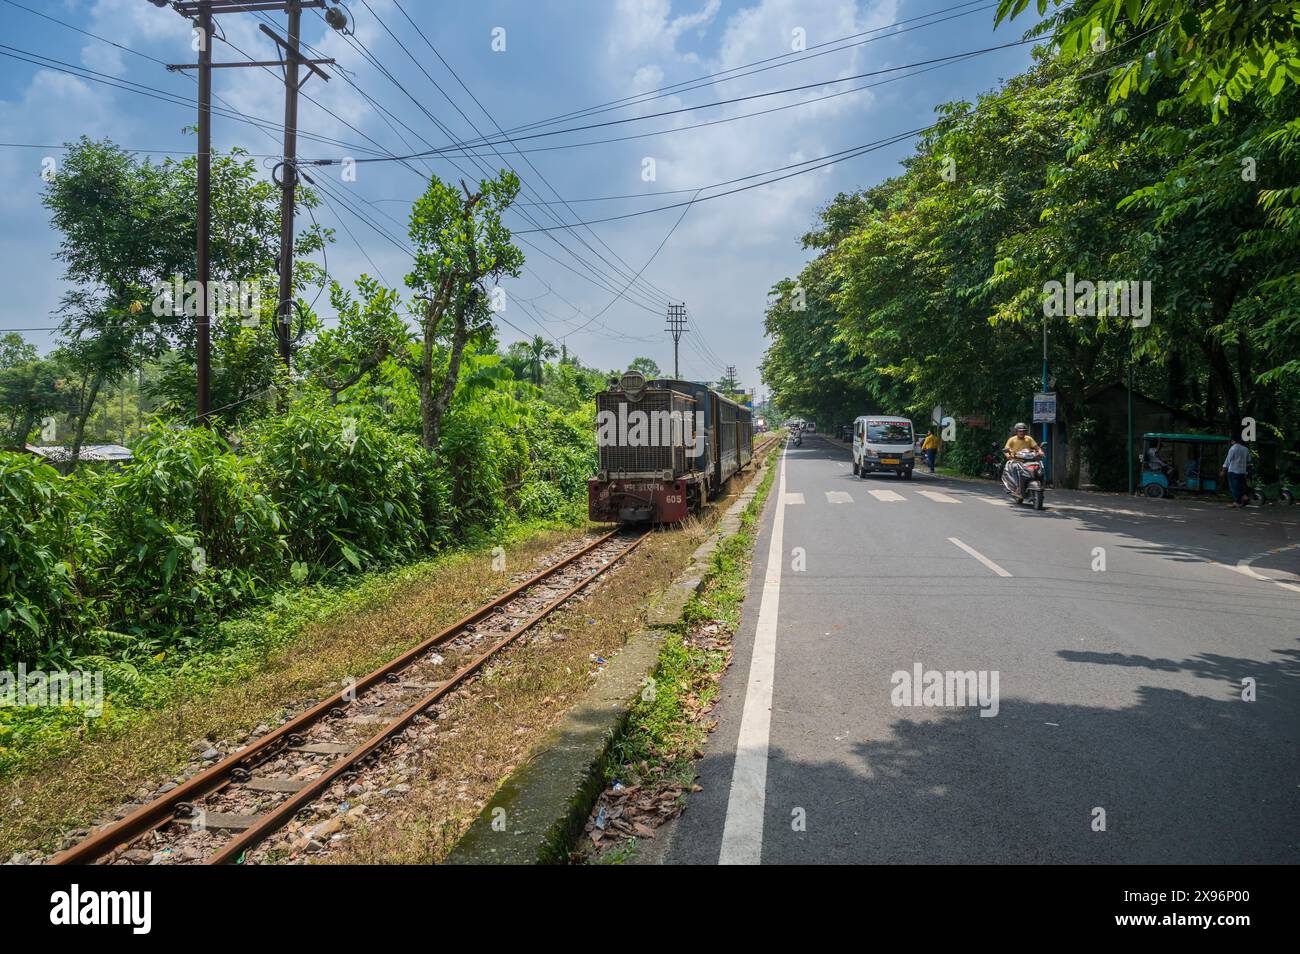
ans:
(664, 448)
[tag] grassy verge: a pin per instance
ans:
(669, 727)
(61, 770)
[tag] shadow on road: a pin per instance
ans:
(1183, 777)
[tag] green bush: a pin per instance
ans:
(966, 453)
(36, 587)
(187, 533)
(562, 456)
(350, 492)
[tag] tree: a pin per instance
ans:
(15, 350)
(128, 229)
(538, 350)
(460, 241)
(30, 388)
(646, 367)
(370, 330)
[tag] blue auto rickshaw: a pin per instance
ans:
(1181, 463)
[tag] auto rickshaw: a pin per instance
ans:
(1181, 463)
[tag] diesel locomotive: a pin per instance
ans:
(665, 447)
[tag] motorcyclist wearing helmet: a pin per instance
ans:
(1019, 441)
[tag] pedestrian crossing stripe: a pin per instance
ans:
(937, 497)
(838, 497)
(886, 496)
(793, 499)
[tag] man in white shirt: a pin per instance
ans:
(1235, 466)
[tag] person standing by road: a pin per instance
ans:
(1235, 466)
(930, 447)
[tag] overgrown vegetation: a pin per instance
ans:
(402, 430)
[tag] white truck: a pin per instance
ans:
(883, 444)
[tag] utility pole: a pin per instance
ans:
(203, 320)
(676, 327)
(732, 385)
(289, 182)
(201, 13)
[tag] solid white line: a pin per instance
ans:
(1244, 567)
(742, 831)
(981, 557)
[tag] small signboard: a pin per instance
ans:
(1045, 407)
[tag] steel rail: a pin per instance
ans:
(281, 813)
(162, 810)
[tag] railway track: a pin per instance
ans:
(219, 814)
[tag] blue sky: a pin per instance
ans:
(721, 258)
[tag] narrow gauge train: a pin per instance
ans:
(664, 448)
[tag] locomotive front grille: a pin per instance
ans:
(619, 457)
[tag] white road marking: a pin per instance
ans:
(886, 495)
(1244, 567)
(937, 497)
(996, 502)
(742, 831)
(793, 499)
(838, 497)
(979, 556)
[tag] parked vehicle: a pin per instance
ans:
(1022, 476)
(1182, 463)
(1282, 492)
(664, 448)
(883, 444)
(993, 463)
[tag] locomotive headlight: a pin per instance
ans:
(602, 476)
(666, 475)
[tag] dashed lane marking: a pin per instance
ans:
(979, 556)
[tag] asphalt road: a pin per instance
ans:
(1120, 733)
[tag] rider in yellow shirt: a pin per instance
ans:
(1019, 441)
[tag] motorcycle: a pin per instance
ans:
(993, 464)
(798, 438)
(1022, 477)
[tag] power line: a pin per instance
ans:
(596, 272)
(842, 156)
(539, 173)
(721, 102)
(792, 58)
